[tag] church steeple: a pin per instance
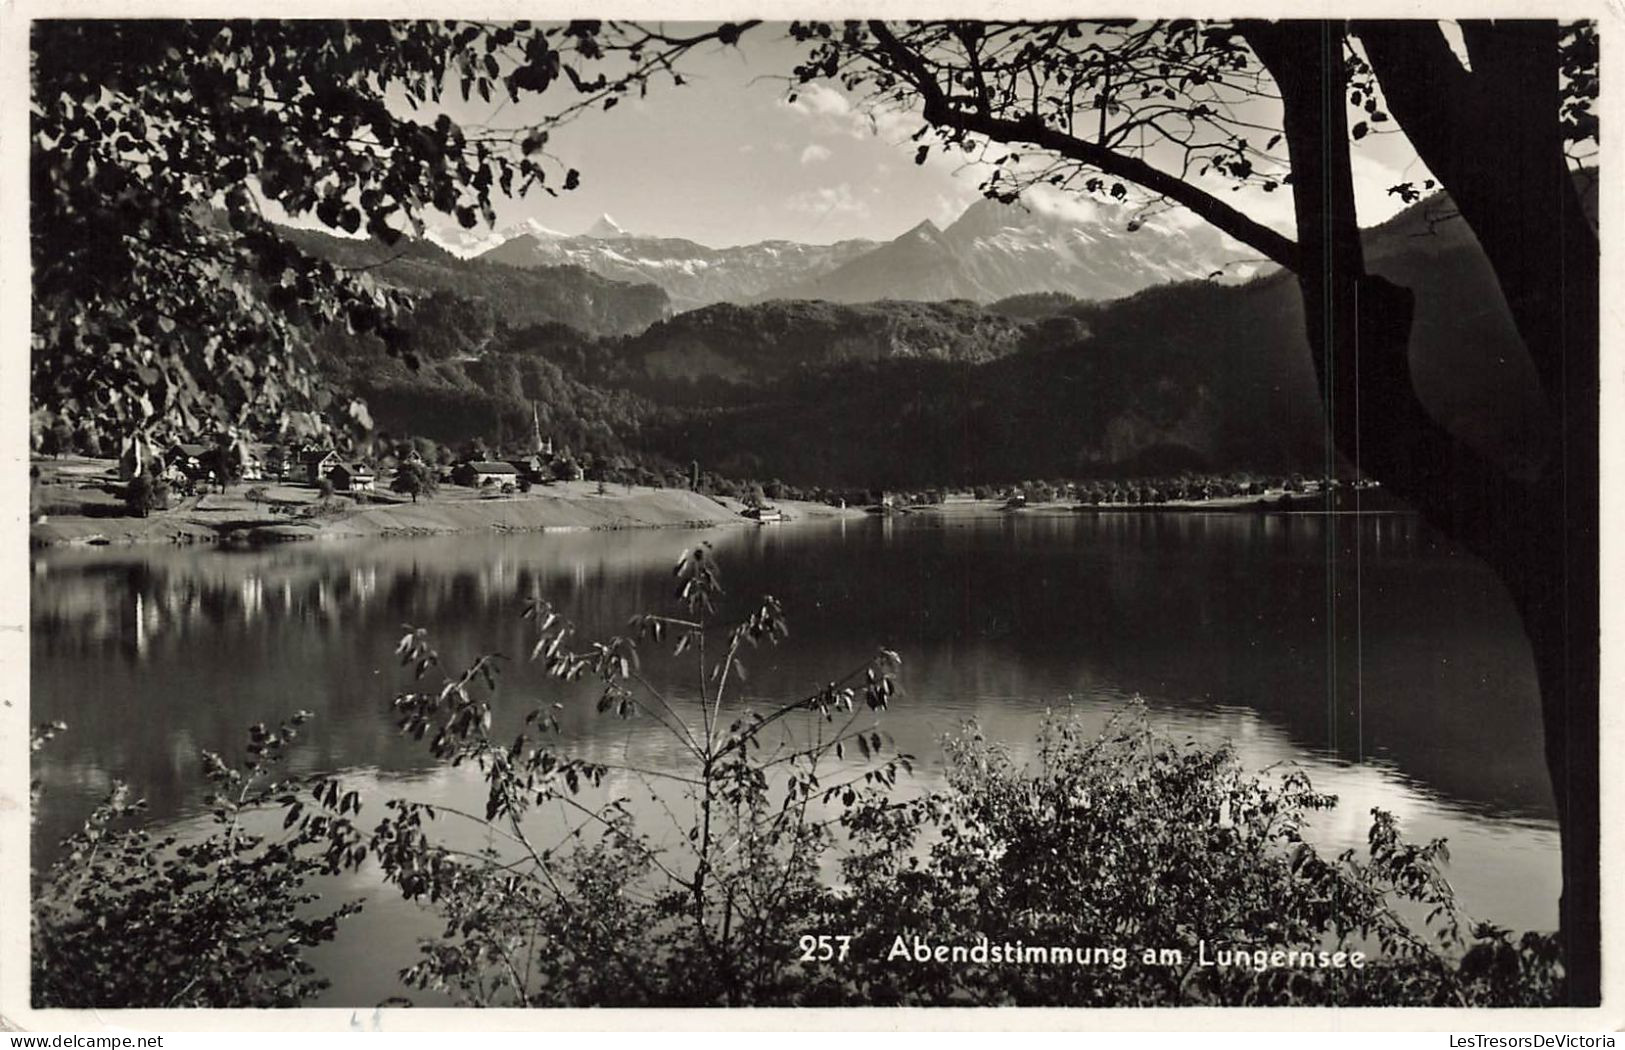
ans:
(542, 448)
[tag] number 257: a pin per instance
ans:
(824, 947)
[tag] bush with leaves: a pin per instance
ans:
(415, 478)
(126, 918)
(705, 913)
(88, 442)
(145, 493)
(1127, 839)
(57, 439)
(325, 507)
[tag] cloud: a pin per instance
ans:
(814, 153)
(834, 112)
(1382, 161)
(890, 123)
(1178, 219)
(828, 200)
(820, 100)
(1070, 207)
(951, 205)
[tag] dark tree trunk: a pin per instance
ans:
(1492, 137)
(1358, 327)
(1538, 532)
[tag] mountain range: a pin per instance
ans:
(994, 251)
(991, 252)
(608, 281)
(691, 274)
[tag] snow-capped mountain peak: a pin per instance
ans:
(1082, 248)
(605, 229)
(466, 244)
(692, 274)
(528, 228)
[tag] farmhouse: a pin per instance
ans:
(527, 467)
(353, 477)
(481, 472)
(277, 460)
(318, 461)
(191, 460)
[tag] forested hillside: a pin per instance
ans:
(1191, 376)
(565, 294)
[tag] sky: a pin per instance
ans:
(726, 159)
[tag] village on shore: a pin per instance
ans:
(189, 492)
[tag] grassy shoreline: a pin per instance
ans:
(71, 507)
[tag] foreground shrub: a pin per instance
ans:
(1117, 842)
(708, 911)
(127, 919)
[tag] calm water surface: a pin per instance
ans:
(1233, 627)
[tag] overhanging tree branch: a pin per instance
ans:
(940, 110)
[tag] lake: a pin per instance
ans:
(1388, 664)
